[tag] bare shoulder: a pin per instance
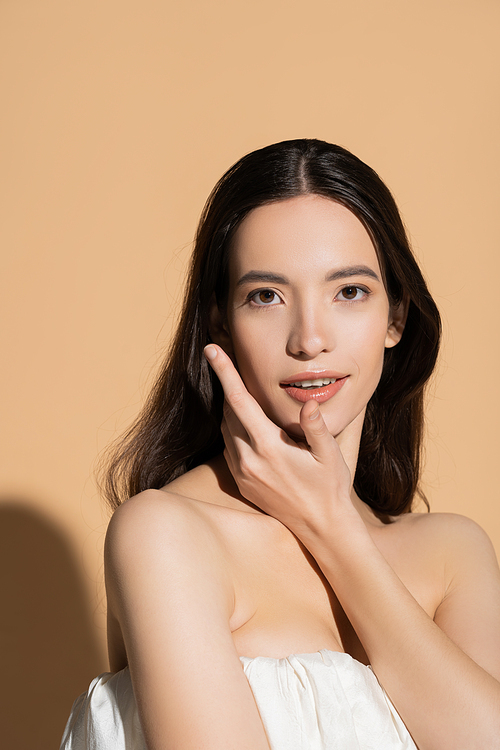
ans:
(469, 611)
(149, 512)
(156, 535)
(450, 532)
(159, 521)
(446, 550)
(170, 600)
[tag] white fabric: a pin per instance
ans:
(320, 701)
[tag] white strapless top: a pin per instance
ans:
(321, 701)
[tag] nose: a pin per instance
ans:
(310, 334)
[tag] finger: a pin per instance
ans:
(233, 425)
(315, 431)
(229, 447)
(244, 406)
(230, 441)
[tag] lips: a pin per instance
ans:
(313, 385)
(316, 383)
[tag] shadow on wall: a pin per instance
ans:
(48, 651)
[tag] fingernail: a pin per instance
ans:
(314, 414)
(210, 352)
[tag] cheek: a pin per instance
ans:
(257, 360)
(367, 346)
(253, 356)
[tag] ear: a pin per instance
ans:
(397, 320)
(217, 327)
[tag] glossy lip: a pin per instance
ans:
(321, 394)
(312, 375)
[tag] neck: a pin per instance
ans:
(348, 441)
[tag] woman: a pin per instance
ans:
(269, 553)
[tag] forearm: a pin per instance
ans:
(444, 697)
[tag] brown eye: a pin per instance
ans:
(349, 292)
(352, 294)
(265, 298)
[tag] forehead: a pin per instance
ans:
(305, 233)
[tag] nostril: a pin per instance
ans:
(307, 346)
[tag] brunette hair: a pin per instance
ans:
(179, 427)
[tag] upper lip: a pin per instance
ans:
(313, 375)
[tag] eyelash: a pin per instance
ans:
(252, 295)
(363, 289)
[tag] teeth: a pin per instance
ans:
(314, 383)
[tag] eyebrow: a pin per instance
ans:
(344, 273)
(341, 273)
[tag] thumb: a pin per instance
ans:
(315, 430)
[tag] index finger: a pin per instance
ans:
(239, 399)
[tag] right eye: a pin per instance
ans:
(265, 298)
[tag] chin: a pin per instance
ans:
(336, 424)
(295, 431)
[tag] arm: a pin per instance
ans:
(443, 676)
(168, 585)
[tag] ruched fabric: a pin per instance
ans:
(324, 701)
(321, 701)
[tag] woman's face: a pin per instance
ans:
(307, 314)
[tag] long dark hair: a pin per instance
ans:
(179, 427)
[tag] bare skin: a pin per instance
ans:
(284, 604)
(267, 550)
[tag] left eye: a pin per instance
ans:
(351, 293)
(265, 298)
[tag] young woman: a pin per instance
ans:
(268, 583)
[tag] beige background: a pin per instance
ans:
(117, 118)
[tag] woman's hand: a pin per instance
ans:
(303, 485)
(443, 679)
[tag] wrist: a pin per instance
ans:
(340, 528)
